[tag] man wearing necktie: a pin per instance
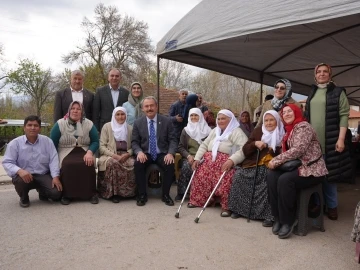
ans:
(153, 142)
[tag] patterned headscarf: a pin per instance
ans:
(233, 124)
(73, 127)
(279, 103)
(323, 85)
(120, 131)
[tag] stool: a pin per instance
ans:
(154, 188)
(304, 221)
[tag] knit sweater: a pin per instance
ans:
(108, 145)
(232, 146)
(65, 143)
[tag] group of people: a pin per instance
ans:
(133, 136)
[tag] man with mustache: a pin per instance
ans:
(153, 142)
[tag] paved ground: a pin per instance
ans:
(124, 236)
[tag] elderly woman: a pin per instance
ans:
(267, 139)
(220, 151)
(300, 142)
(190, 139)
(327, 110)
(282, 96)
(245, 123)
(133, 105)
(76, 140)
(116, 164)
(190, 102)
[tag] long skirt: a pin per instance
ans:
(185, 175)
(205, 179)
(355, 233)
(118, 179)
(241, 191)
(78, 179)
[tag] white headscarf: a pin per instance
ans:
(224, 136)
(198, 130)
(120, 130)
(273, 138)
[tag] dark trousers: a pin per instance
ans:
(282, 190)
(140, 173)
(41, 182)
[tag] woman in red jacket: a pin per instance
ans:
(300, 142)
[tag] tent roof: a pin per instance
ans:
(273, 38)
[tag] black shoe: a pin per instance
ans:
(267, 223)
(179, 197)
(24, 202)
(189, 205)
(115, 199)
(276, 227)
(43, 198)
(286, 230)
(235, 216)
(141, 200)
(65, 201)
(94, 199)
(167, 200)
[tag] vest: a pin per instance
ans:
(339, 165)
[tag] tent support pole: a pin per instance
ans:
(158, 81)
(262, 85)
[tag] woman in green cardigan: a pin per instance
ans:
(76, 140)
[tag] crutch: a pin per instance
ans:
(253, 189)
(208, 200)
(187, 188)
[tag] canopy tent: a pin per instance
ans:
(263, 40)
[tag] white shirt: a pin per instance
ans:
(77, 95)
(115, 95)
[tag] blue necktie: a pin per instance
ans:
(152, 140)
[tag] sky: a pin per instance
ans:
(45, 30)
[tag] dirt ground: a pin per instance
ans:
(125, 236)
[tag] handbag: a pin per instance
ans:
(290, 165)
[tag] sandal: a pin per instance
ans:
(225, 213)
(189, 205)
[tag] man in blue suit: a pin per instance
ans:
(153, 142)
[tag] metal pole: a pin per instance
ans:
(261, 89)
(158, 82)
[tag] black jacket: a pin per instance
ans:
(338, 164)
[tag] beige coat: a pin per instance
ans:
(232, 146)
(108, 145)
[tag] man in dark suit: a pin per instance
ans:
(159, 150)
(63, 98)
(107, 98)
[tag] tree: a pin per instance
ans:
(2, 76)
(112, 41)
(227, 91)
(31, 80)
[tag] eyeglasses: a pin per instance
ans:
(280, 87)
